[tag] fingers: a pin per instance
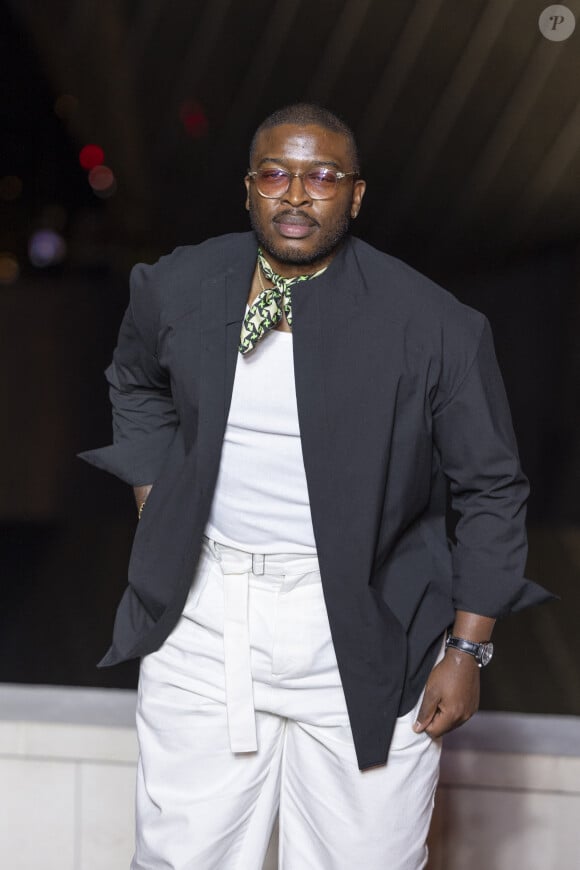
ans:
(427, 711)
(437, 718)
(451, 696)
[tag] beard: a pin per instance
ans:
(328, 241)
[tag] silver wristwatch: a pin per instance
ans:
(481, 652)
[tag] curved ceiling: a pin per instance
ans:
(467, 116)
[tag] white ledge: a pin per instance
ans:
(518, 733)
(67, 704)
(493, 749)
(68, 724)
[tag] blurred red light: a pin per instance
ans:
(194, 119)
(101, 177)
(102, 180)
(90, 156)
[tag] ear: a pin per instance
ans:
(247, 182)
(358, 192)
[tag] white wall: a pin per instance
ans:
(509, 794)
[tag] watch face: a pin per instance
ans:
(486, 653)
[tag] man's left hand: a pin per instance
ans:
(451, 694)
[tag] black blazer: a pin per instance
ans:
(399, 396)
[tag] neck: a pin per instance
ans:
(294, 270)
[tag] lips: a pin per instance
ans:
(294, 226)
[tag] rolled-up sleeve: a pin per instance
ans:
(145, 420)
(474, 435)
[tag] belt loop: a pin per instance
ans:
(213, 547)
(258, 563)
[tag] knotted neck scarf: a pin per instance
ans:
(265, 312)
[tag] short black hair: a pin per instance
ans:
(304, 114)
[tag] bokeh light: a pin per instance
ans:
(194, 119)
(46, 248)
(65, 106)
(10, 187)
(91, 156)
(9, 268)
(102, 180)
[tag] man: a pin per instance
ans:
(291, 406)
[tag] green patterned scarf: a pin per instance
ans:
(265, 313)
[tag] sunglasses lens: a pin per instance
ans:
(272, 182)
(321, 183)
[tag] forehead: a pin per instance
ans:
(294, 143)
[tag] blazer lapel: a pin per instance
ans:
(339, 346)
(325, 310)
(223, 302)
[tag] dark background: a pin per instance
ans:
(469, 125)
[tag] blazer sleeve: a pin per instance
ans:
(145, 420)
(474, 435)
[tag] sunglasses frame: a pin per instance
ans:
(253, 173)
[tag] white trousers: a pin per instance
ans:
(241, 714)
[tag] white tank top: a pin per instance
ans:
(261, 500)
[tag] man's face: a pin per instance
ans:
(296, 230)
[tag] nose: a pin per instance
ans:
(296, 193)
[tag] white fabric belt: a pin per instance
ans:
(236, 566)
